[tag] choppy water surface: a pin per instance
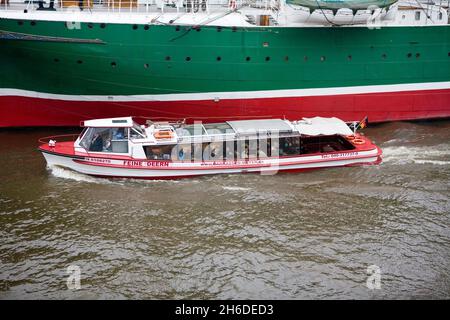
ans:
(289, 236)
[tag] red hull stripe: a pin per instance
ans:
(247, 166)
(410, 105)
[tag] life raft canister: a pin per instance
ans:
(163, 134)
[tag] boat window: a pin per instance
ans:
(230, 150)
(417, 15)
(289, 146)
(242, 149)
(137, 132)
(263, 148)
(182, 152)
(195, 129)
(218, 128)
(106, 140)
(323, 144)
(213, 151)
(159, 152)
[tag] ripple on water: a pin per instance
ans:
(308, 235)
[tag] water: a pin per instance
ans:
(289, 236)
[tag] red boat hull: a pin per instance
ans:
(20, 111)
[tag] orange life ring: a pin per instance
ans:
(352, 137)
(166, 134)
(358, 141)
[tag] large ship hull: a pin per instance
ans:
(53, 75)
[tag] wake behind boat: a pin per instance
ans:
(120, 147)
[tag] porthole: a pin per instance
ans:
(219, 29)
(146, 27)
(188, 58)
(20, 23)
(248, 58)
(267, 58)
(409, 55)
(33, 23)
(79, 61)
(56, 60)
(349, 57)
(323, 58)
(234, 29)
(219, 58)
(449, 54)
(90, 25)
(167, 58)
(113, 64)
(102, 25)
(286, 58)
(198, 29)
(146, 65)
(177, 28)
(384, 56)
(135, 26)
(417, 55)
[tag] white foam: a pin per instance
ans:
(235, 188)
(65, 173)
(419, 155)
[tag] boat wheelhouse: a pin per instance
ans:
(120, 147)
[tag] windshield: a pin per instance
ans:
(137, 132)
(105, 140)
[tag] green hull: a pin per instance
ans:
(171, 59)
(52, 75)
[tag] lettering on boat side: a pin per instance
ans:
(339, 155)
(232, 163)
(97, 160)
(139, 163)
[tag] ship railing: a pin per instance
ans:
(59, 138)
(145, 6)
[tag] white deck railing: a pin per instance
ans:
(189, 6)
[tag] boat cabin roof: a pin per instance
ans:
(322, 126)
(125, 122)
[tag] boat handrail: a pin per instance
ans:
(66, 138)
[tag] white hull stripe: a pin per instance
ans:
(235, 94)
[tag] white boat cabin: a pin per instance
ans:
(231, 140)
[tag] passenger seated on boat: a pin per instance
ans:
(327, 148)
(261, 154)
(156, 153)
(244, 153)
(118, 134)
(97, 143)
(107, 144)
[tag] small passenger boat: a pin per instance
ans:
(121, 147)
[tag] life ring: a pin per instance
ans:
(352, 137)
(166, 134)
(358, 141)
